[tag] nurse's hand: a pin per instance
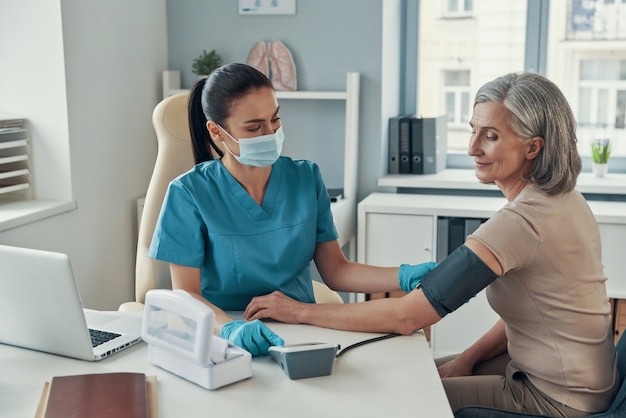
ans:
(410, 276)
(275, 305)
(255, 336)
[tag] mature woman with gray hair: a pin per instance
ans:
(552, 351)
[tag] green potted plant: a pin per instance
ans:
(600, 153)
(205, 63)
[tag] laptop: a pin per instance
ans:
(41, 309)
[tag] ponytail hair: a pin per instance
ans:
(201, 140)
(212, 99)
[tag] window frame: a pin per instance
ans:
(536, 59)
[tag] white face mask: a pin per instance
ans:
(258, 151)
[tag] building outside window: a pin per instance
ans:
(587, 59)
(463, 44)
(457, 8)
(456, 90)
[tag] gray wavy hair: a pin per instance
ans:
(539, 108)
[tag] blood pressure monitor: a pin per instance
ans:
(305, 360)
(179, 331)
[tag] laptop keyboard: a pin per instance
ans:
(100, 337)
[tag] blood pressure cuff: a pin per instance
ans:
(457, 279)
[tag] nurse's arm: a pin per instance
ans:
(398, 315)
(401, 315)
(188, 279)
(345, 276)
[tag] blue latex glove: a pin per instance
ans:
(410, 276)
(254, 336)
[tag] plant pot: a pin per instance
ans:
(599, 169)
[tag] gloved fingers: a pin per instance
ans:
(270, 336)
(260, 347)
(276, 340)
(255, 336)
(230, 328)
(424, 268)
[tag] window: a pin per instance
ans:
(457, 97)
(457, 56)
(457, 8)
(583, 43)
(587, 59)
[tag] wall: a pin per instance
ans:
(86, 75)
(33, 68)
(327, 39)
(89, 104)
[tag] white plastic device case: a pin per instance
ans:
(300, 361)
(179, 331)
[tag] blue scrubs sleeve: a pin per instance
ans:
(179, 234)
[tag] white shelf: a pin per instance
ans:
(14, 173)
(312, 95)
(13, 159)
(14, 144)
(344, 210)
(14, 165)
(465, 179)
(13, 188)
(14, 214)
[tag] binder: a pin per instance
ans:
(405, 145)
(434, 144)
(417, 162)
(399, 146)
(393, 166)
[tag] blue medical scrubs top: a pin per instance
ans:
(208, 220)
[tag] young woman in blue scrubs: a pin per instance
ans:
(245, 221)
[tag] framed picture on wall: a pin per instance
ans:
(267, 7)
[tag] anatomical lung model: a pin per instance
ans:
(275, 61)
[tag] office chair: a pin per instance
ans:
(617, 408)
(174, 157)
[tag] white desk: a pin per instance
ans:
(395, 377)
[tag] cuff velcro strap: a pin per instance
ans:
(457, 279)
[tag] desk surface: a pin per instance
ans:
(394, 377)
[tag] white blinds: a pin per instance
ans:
(14, 161)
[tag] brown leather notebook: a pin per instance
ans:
(117, 395)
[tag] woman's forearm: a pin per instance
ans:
(491, 344)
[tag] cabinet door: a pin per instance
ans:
(460, 329)
(613, 238)
(393, 239)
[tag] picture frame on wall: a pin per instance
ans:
(267, 7)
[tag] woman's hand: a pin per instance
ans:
(276, 306)
(455, 368)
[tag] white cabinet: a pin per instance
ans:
(389, 244)
(401, 228)
(344, 210)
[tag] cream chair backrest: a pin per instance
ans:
(174, 157)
